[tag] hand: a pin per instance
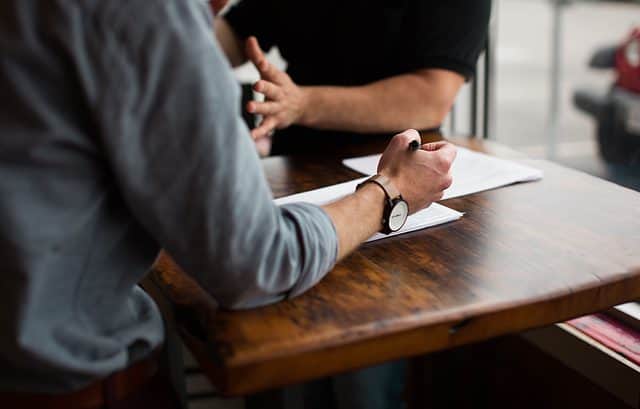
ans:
(420, 176)
(285, 102)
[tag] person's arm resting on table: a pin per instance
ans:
(191, 176)
(419, 99)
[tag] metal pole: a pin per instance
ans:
(452, 120)
(489, 117)
(556, 78)
(486, 121)
(474, 108)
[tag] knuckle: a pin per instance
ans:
(413, 134)
(440, 163)
(453, 152)
(446, 182)
(402, 138)
(444, 162)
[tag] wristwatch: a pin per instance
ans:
(396, 209)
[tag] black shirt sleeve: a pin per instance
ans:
(407, 34)
(446, 34)
(254, 18)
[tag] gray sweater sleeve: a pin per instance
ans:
(170, 124)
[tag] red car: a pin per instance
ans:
(618, 112)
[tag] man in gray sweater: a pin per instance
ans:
(120, 134)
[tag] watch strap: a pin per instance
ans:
(385, 183)
(392, 198)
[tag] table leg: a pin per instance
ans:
(172, 361)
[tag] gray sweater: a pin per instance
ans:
(120, 133)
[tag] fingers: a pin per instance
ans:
(263, 146)
(269, 89)
(403, 139)
(412, 134)
(401, 142)
(449, 152)
(442, 156)
(442, 147)
(444, 152)
(433, 146)
(445, 149)
(266, 127)
(398, 144)
(256, 55)
(263, 108)
(446, 182)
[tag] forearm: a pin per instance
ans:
(410, 100)
(356, 217)
(298, 242)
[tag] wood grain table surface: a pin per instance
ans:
(522, 256)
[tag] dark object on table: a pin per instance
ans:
(617, 113)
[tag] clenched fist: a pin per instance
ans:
(421, 176)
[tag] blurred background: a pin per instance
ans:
(524, 78)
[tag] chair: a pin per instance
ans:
(481, 91)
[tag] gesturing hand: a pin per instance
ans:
(285, 102)
(421, 176)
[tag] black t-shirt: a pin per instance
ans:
(355, 42)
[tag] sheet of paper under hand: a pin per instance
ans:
(472, 172)
(432, 216)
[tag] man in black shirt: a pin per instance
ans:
(357, 69)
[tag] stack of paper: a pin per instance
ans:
(472, 172)
(434, 215)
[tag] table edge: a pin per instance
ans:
(235, 378)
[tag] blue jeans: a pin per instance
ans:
(377, 387)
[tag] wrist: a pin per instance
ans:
(395, 208)
(393, 178)
(307, 115)
(373, 194)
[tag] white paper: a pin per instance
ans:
(472, 172)
(432, 216)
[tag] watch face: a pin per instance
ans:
(398, 216)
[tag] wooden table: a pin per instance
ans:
(523, 256)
